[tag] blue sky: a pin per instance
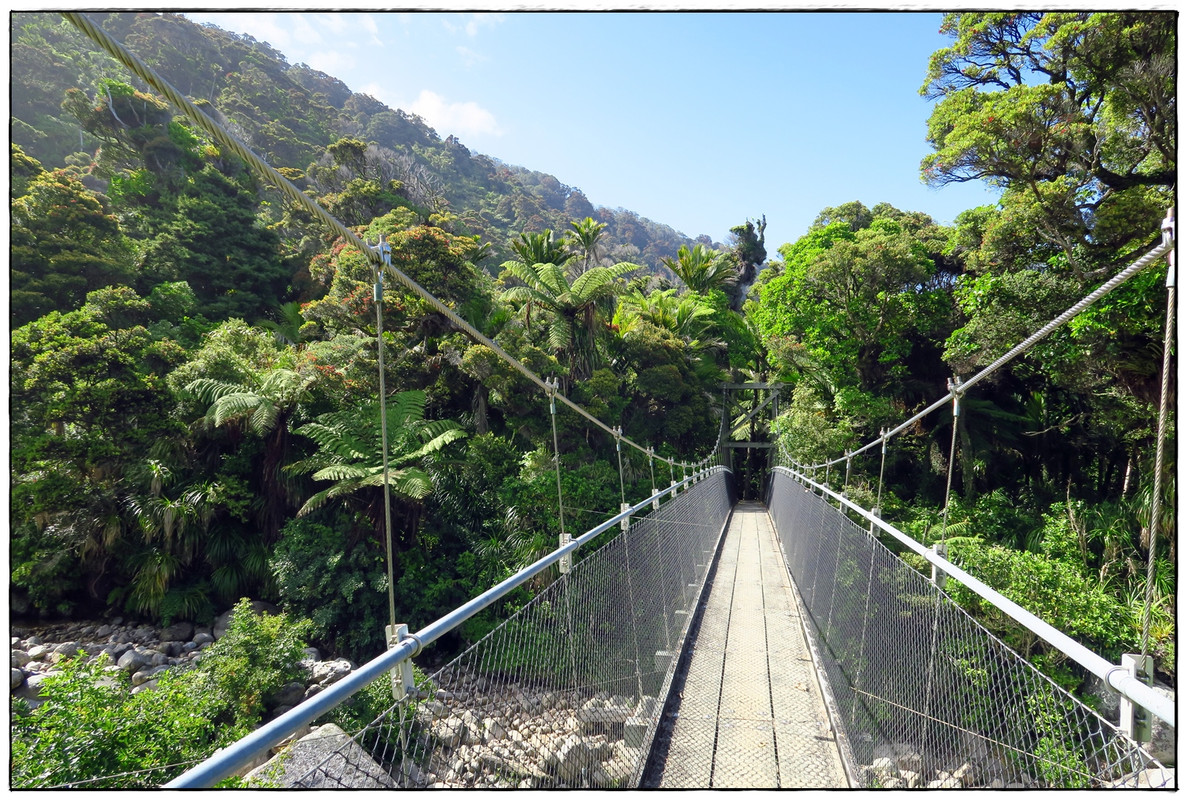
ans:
(696, 120)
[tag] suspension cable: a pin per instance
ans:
(384, 250)
(1163, 401)
(291, 192)
(556, 454)
(954, 389)
(1121, 277)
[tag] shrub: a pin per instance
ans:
(92, 730)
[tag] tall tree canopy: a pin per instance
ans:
(1071, 113)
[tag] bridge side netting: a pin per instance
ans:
(925, 695)
(567, 692)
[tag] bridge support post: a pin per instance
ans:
(938, 577)
(403, 681)
(566, 562)
(626, 521)
(1135, 721)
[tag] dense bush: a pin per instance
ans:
(91, 727)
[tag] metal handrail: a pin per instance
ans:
(1114, 676)
(233, 757)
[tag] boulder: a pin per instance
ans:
(202, 638)
(132, 661)
(571, 759)
(104, 631)
(178, 632)
(18, 677)
(289, 695)
(147, 686)
(20, 658)
(30, 690)
(68, 648)
(37, 651)
(327, 672)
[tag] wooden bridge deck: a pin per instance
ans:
(752, 713)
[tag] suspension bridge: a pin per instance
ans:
(775, 642)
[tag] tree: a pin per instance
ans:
(700, 268)
(215, 243)
(541, 248)
(350, 454)
(585, 239)
(66, 242)
(1071, 113)
(748, 252)
(577, 310)
(263, 407)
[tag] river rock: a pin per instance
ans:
(68, 648)
(18, 677)
(104, 631)
(178, 632)
(147, 686)
(132, 661)
(289, 695)
(327, 672)
(203, 638)
(20, 658)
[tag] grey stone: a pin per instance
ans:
(37, 651)
(289, 695)
(572, 757)
(178, 632)
(104, 631)
(132, 661)
(158, 659)
(350, 765)
(312, 654)
(327, 672)
(16, 642)
(18, 677)
(450, 731)
(68, 648)
(492, 730)
(32, 640)
(30, 690)
(143, 676)
(147, 686)
(189, 647)
(20, 658)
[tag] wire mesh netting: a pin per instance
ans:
(926, 695)
(567, 692)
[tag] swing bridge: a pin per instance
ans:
(699, 640)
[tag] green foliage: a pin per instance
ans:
(341, 587)
(90, 726)
(1056, 591)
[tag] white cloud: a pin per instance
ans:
(469, 57)
(304, 31)
(261, 27)
(480, 20)
(474, 23)
(331, 62)
(460, 119)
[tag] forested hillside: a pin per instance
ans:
(194, 386)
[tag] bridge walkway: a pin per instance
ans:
(752, 713)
